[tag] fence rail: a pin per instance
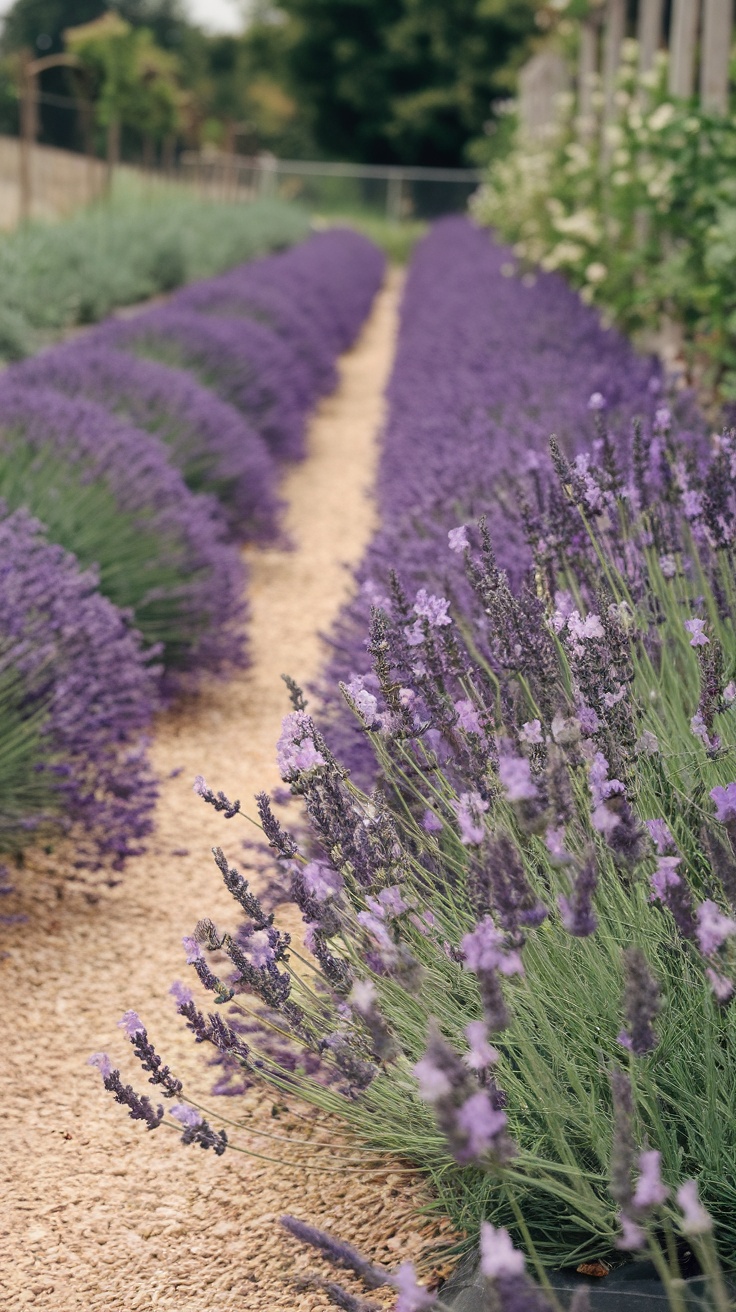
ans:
(397, 190)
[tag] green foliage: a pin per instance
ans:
(77, 271)
(642, 221)
(137, 570)
(393, 80)
(25, 790)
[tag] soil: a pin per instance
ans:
(99, 1214)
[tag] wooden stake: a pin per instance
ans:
(683, 39)
(612, 40)
(649, 32)
(716, 48)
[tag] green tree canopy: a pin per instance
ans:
(410, 81)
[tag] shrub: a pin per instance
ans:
(315, 296)
(639, 215)
(214, 447)
(487, 367)
(265, 337)
(77, 694)
(125, 251)
(243, 362)
(106, 491)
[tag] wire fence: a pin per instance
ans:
(395, 191)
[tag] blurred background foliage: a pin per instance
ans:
(373, 81)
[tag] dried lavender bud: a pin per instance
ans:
(198, 1130)
(238, 887)
(622, 1148)
(641, 1004)
(218, 800)
(140, 1108)
(336, 1251)
(147, 1055)
(296, 696)
(341, 1298)
(279, 838)
(577, 912)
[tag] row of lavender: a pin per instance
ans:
(133, 462)
(488, 367)
(525, 934)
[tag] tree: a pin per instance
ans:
(135, 79)
(408, 81)
(39, 25)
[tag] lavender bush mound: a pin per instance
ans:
(487, 367)
(106, 491)
(265, 336)
(209, 441)
(315, 296)
(77, 694)
(245, 363)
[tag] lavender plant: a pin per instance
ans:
(265, 338)
(215, 448)
(124, 251)
(106, 491)
(77, 694)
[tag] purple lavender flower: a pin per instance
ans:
(669, 888)
(458, 538)
(336, 1251)
(661, 837)
(485, 950)
(413, 1297)
(576, 911)
(498, 1257)
(641, 1004)
(132, 1024)
(713, 927)
(481, 1054)
(696, 627)
(516, 779)
(78, 671)
(469, 809)
(650, 1191)
(198, 1130)
(695, 1220)
(321, 881)
(725, 802)
(296, 749)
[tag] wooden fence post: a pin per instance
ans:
(649, 31)
(715, 52)
(683, 39)
(587, 70)
(614, 33)
(28, 133)
(542, 79)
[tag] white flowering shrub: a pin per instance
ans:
(640, 215)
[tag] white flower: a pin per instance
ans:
(596, 272)
(662, 116)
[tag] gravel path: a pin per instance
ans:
(98, 1214)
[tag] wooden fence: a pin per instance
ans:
(61, 181)
(697, 34)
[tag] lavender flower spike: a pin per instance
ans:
(695, 1219)
(650, 1191)
(641, 1004)
(338, 1253)
(413, 1297)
